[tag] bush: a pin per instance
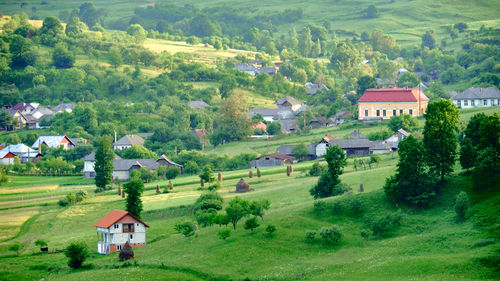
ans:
(15, 248)
(185, 228)
(484, 242)
(209, 200)
(356, 206)
(81, 195)
(316, 169)
(77, 252)
(310, 235)
(63, 202)
(40, 243)
(172, 172)
(215, 186)
(319, 206)
(251, 223)
(205, 217)
(224, 234)
(332, 233)
(270, 229)
(383, 225)
(338, 207)
(462, 204)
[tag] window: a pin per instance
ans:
(394, 112)
(401, 111)
(131, 236)
(366, 112)
(410, 111)
(117, 226)
(485, 102)
(119, 247)
(128, 227)
(137, 224)
(378, 112)
(384, 112)
(466, 103)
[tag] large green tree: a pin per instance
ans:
(440, 140)
(329, 182)
(52, 31)
(237, 209)
(103, 166)
(134, 189)
(232, 120)
(22, 50)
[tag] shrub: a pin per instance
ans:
(224, 234)
(270, 229)
(310, 235)
(316, 169)
(209, 200)
(332, 233)
(63, 202)
(251, 223)
(81, 195)
(484, 242)
(172, 172)
(383, 225)
(319, 206)
(185, 228)
(77, 253)
(40, 243)
(356, 206)
(338, 207)
(215, 186)
(205, 217)
(462, 204)
(15, 248)
(221, 219)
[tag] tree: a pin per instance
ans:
(428, 40)
(92, 16)
(52, 31)
(251, 223)
(115, 57)
(75, 27)
(408, 79)
(257, 208)
(191, 168)
(62, 57)
(103, 166)
(274, 128)
(329, 183)
(332, 233)
(486, 172)
(15, 248)
(270, 229)
(293, 42)
(371, 12)
(403, 121)
(207, 175)
(300, 151)
(172, 172)
(185, 228)
(413, 184)
(344, 59)
(224, 234)
(138, 32)
(237, 209)
(77, 252)
(138, 152)
(440, 141)
(134, 189)
(461, 26)
(6, 120)
(305, 42)
(41, 243)
(462, 205)
(232, 120)
(467, 154)
(22, 50)
(365, 82)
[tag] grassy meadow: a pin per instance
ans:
(429, 245)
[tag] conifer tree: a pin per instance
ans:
(103, 163)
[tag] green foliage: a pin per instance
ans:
(379, 135)
(270, 229)
(134, 189)
(251, 223)
(403, 121)
(413, 183)
(428, 40)
(75, 27)
(40, 243)
(310, 235)
(138, 32)
(365, 82)
(300, 151)
(15, 248)
(207, 175)
(51, 32)
(191, 168)
(440, 141)
(408, 79)
(138, 152)
(486, 171)
(224, 234)
(316, 169)
(205, 217)
(237, 209)
(371, 12)
(62, 57)
(329, 183)
(146, 174)
(77, 252)
(214, 187)
(185, 228)
(103, 166)
(382, 226)
(172, 172)
(332, 233)
(23, 51)
(257, 208)
(274, 128)
(462, 204)
(467, 154)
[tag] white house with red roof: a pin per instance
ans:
(382, 104)
(117, 228)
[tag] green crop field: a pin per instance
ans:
(429, 245)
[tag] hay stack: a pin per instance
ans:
(361, 188)
(258, 173)
(158, 188)
(171, 185)
(242, 186)
(120, 190)
(123, 194)
(219, 177)
(126, 253)
(288, 170)
(250, 174)
(202, 183)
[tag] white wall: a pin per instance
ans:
(320, 149)
(88, 166)
(121, 175)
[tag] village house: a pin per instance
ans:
(117, 228)
(20, 118)
(63, 107)
(54, 141)
(23, 152)
(318, 122)
(356, 135)
(289, 103)
(197, 104)
(356, 147)
(312, 88)
(35, 118)
(288, 126)
(477, 97)
(202, 135)
(273, 114)
(322, 145)
(288, 150)
(275, 159)
(382, 104)
(26, 108)
(393, 140)
(128, 141)
(255, 68)
(88, 165)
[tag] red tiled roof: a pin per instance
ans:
(393, 95)
(280, 156)
(113, 217)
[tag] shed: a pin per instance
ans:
(275, 159)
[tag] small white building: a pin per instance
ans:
(117, 228)
(477, 97)
(393, 140)
(54, 141)
(128, 141)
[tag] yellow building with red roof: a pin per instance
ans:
(382, 104)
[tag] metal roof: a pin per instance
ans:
(478, 93)
(113, 217)
(51, 140)
(130, 140)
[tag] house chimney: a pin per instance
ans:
(115, 136)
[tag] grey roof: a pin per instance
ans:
(163, 157)
(130, 140)
(126, 164)
(378, 145)
(478, 93)
(290, 100)
(50, 140)
(197, 104)
(288, 125)
(91, 157)
(276, 113)
(313, 88)
(357, 135)
(267, 70)
(245, 67)
(18, 148)
(287, 149)
(351, 143)
(63, 107)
